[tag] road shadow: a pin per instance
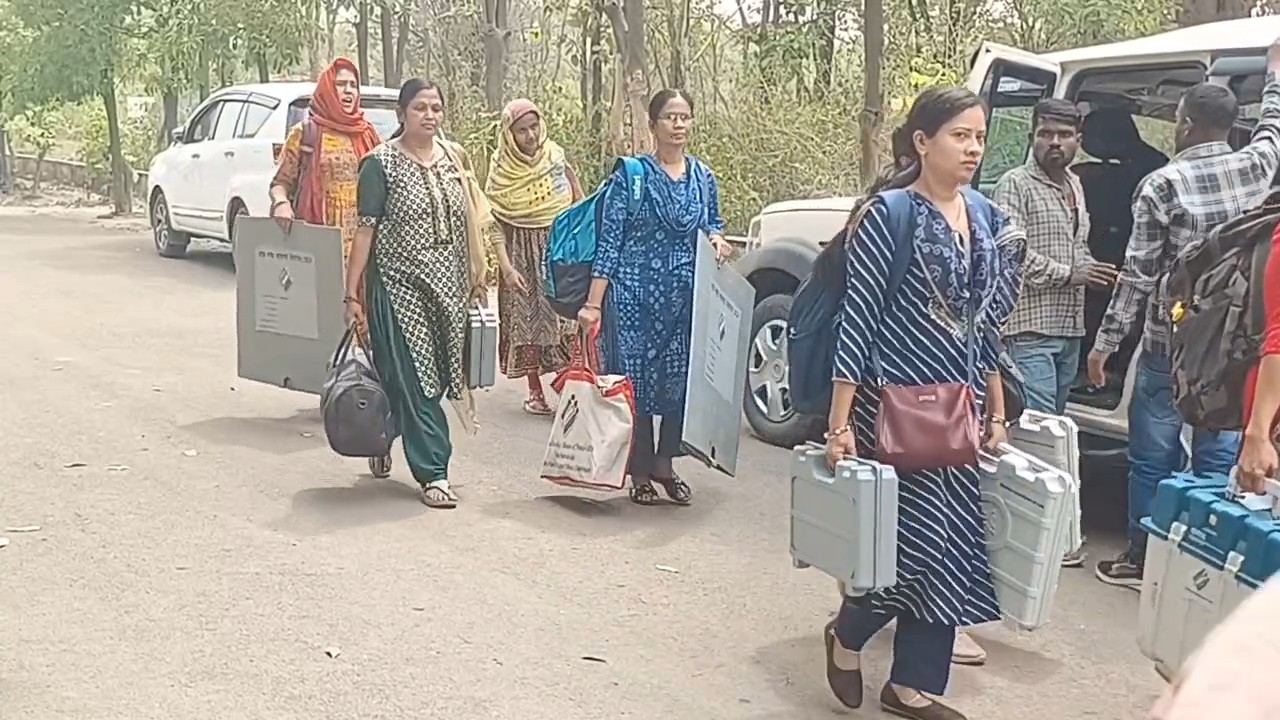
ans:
(611, 516)
(796, 671)
(318, 511)
(299, 432)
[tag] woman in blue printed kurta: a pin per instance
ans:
(918, 334)
(642, 290)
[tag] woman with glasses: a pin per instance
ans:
(641, 295)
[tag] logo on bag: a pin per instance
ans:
(570, 414)
(928, 397)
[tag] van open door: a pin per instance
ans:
(1011, 82)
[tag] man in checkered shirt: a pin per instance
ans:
(1205, 185)
(1046, 200)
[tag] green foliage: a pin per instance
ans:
(36, 128)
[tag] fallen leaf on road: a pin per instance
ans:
(594, 659)
(308, 434)
(190, 453)
(73, 465)
(4, 542)
(181, 567)
(333, 652)
(56, 368)
(156, 388)
(23, 529)
(117, 468)
(667, 569)
(419, 608)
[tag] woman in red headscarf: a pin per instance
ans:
(315, 180)
(319, 165)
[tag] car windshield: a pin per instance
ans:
(380, 112)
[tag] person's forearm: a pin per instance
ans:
(995, 397)
(595, 294)
(500, 250)
(279, 194)
(1266, 398)
(842, 396)
(358, 261)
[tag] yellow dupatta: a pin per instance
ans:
(527, 190)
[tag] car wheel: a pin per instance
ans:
(169, 243)
(238, 210)
(767, 401)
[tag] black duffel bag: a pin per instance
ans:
(355, 409)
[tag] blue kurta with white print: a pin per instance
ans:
(649, 260)
(919, 335)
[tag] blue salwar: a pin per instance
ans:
(944, 578)
(647, 315)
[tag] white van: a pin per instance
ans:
(1129, 92)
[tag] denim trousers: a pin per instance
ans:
(1049, 366)
(1155, 442)
(921, 650)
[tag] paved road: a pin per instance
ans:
(210, 549)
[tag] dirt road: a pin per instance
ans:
(199, 549)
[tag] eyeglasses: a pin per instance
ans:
(674, 118)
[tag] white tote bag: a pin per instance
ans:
(591, 436)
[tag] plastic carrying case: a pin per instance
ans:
(1025, 509)
(1055, 440)
(845, 524)
(1208, 549)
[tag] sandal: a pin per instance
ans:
(439, 498)
(380, 467)
(676, 489)
(642, 493)
(539, 407)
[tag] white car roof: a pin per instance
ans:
(1218, 37)
(290, 91)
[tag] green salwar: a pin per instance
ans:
(416, 292)
(424, 429)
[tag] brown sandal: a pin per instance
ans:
(934, 710)
(676, 489)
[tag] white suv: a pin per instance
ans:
(221, 162)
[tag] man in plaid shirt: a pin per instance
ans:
(1205, 185)
(1046, 200)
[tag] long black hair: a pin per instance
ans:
(932, 109)
(408, 91)
(659, 101)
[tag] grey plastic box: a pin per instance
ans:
(1055, 440)
(1025, 508)
(482, 348)
(845, 524)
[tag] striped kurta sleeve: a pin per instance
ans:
(868, 257)
(1011, 252)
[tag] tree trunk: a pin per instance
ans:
(631, 134)
(872, 96)
(121, 198)
(202, 73)
(402, 47)
(264, 70)
(495, 52)
(6, 171)
(168, 118)
(362, 39)
(1198, 12)
(827, 14)
(388, 38)
(39, 174)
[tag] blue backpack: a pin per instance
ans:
(815, 310)
(572, 241)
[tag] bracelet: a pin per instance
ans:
(993, 419)
(277, 204)
(349, 300)
(590, 306)
(833, 434)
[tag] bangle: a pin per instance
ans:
(348, 300)
(993, 419)
(277, 204)
(833, 434)
(591, 306)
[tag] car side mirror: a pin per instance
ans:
(176, 135)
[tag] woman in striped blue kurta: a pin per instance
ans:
(944, 579)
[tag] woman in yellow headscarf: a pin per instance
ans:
(529, 183)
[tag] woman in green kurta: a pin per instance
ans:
(419, 250)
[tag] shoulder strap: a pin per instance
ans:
(898, 204)
(633, 170)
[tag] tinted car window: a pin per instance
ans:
(227, 120)
(201, 128)
(254, 117)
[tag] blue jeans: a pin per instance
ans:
(1049, 366)
(1155, 442)
(921, 650)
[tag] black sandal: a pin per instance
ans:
(642, 493)
(676, 489)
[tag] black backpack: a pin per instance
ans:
(1213, 295)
